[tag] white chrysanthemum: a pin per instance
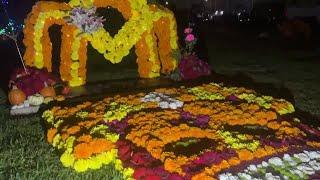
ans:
(305, 168)
(297, 172)
(315, 165)
(228, 176)
(270, 176)
(253, 168)
(276, 161)
(244, 176)
(302, 156)
(289, 160)
(173, 106)
(313, 154)
(164, 101)
(164, 104)
(264, 164)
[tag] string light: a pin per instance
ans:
(11, 31)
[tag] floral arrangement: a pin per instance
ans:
(85, 19)
(212, 132)
(32, 81)
(190, 65)
(152, 30)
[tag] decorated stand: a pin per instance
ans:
(151, 29)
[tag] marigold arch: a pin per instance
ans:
(151, 29)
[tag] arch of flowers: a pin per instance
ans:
(151, 29)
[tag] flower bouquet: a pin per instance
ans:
(191, 66)
(30, 88)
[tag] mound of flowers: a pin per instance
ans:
(208, 131)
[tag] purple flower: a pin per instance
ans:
(186, 115)
(118, 126)
(191, 67)
(85, 19)
(232, 98)
(202, 121)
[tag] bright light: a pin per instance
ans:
(221, 12)
(167, 2)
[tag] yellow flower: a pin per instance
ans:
(81, 165)
(67, 159)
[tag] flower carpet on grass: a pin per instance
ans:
(208, 131)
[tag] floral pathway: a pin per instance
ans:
(202, 132)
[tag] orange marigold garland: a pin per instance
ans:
(45, 14)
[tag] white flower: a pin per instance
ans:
(173, 106)
(264, 164)
(289, 160)
(228, 176)
(179, 103)
(305, 168)
(297, 172)
(244, 176)
(269, 176)
(252, 168)
(313, 154)
(315, 165)
(157, 99)
(276, 161)
(164, 101)
(302, 156)
(164, 104)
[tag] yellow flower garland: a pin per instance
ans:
(145, 24)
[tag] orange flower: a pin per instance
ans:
(51, 133)
(100, 145)
(245, 155)
(73, 130)
(82, 151)
(85, 138)
(234, 161)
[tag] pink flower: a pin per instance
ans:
(190, 37)
(188, 30)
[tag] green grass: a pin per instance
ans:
(25, 154)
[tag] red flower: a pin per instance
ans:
(141, 173)
(153, 177)
(124, 150)
(142, 159)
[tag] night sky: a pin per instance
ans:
(18, 10)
